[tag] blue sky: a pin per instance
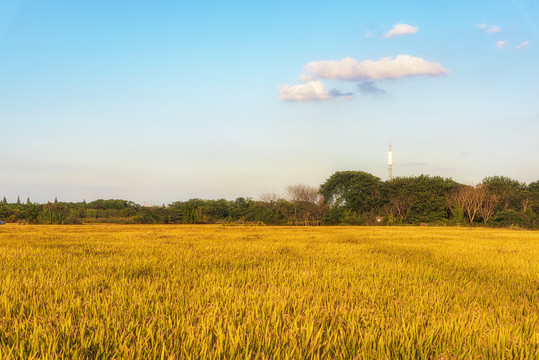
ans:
(169, 100)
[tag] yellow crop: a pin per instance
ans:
(124, 291)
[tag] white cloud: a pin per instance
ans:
(523, 45)
(311, 90)
(368, 35)
(401, 29)
(307, 77)
(501, 44)
(493, 29)
(385, 68)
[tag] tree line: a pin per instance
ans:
(345, 198)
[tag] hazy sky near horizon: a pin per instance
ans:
(169, 100)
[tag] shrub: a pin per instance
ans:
(508, 218)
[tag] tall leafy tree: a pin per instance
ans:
(355, 192)
(399, 196)
(509, 191)
(419, 198)
(533, 189)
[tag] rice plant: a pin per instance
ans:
(186, 292)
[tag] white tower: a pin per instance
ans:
(390, 162)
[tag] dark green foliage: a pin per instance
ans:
(509, 217)
(357, 192)
(5, 211)
(31, 212)
(240, 208)
(280, 212)
(350, 197)
(427, 195)
(152, 215)
(192, 212)
(533, 187)
(334, 215)
(510, 191)
(533, 190)
(112, 204)
(53, 214)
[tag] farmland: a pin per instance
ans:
(188, 291)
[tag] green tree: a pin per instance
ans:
(533, 187)
(508, 218)
(509, 191)
(355, 192)
(53, 214)
(271, 209)
(241, 209)
(192, 212)
(420, 198)
(398, 194)
(111, 204)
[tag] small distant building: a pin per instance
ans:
(2, 223)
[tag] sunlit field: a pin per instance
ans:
(113, 291)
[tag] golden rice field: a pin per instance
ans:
(182, 292)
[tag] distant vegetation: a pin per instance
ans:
(346, 198)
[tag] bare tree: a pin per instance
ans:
(401, 204)
(308, 202)
(269, 200)
(490, 201)
(471, 199)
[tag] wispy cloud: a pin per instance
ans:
(310, 91)
(368, 35)
(489, 29)
(501, 44)
(522, 45)
(339, 93)
(401, 29)
(369, 88)
(385, 68)
(493, 29)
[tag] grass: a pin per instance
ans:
(126, 291)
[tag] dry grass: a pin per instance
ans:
(113, 291)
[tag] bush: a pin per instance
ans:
(508, 218)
